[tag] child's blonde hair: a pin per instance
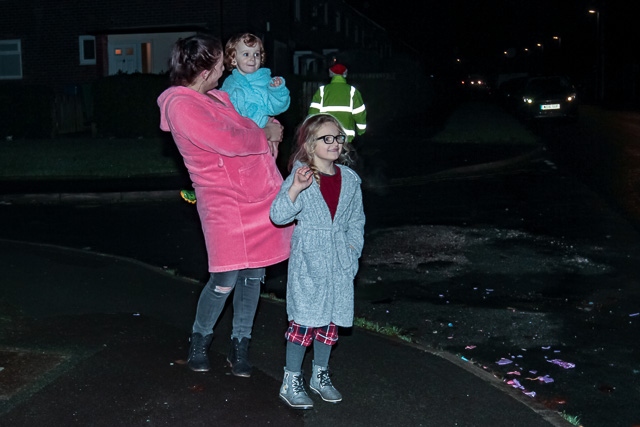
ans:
(230, 48)
(306, 141)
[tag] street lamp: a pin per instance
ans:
(600, 56)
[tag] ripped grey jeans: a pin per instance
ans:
(246, 286)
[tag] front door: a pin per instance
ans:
(124, 58)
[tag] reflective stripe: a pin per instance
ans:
(340, 110)
(353, 92)
(345, 109)
(336, 108)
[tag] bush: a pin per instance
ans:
(125, 105)
(26, 111)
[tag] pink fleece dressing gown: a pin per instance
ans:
(234, 175)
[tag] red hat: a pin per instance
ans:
(338, 69)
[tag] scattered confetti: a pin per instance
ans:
(515, 384)
(634, 314)
(504, 361)
(470, 347)
(545, 379)
(562, 363)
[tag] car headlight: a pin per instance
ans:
(527, 100)
(571, 97)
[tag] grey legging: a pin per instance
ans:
(245, 301)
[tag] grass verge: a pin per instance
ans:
(360, 322)
(88, 158)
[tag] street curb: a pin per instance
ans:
(88, 198)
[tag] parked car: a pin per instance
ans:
(548, 97)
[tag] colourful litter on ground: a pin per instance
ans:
(562, 363)
(545, 379)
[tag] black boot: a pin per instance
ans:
(198, 360)
(238, 358)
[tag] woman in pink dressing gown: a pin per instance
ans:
(231, 162)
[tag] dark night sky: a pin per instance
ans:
(480, 29)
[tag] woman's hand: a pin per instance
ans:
(273, 131)
(273, 148)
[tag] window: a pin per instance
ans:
(10, 59)
(87, 50)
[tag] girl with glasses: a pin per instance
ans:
(323, 198)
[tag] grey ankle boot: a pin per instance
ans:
(292, 391)
(238, 358)
(321, 384)
(198, 360)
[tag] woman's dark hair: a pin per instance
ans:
(192, 55)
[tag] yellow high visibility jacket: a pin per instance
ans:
(344, 102)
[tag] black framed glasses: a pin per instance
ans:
(328, 139)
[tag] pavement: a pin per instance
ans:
(90, 339)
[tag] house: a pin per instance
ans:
(67, 44)
(75, 41)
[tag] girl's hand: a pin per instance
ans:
(276, 81)
(303, 177)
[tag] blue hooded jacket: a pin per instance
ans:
(253, 96)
